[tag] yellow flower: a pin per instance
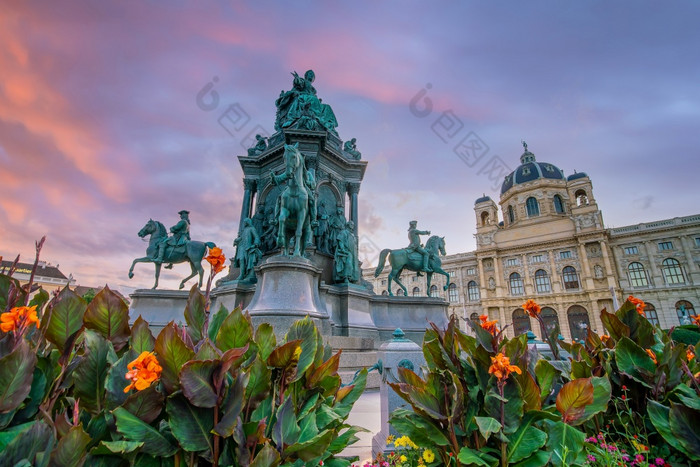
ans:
(652, 355)
(217, 259)
(17, 317)
(390, 439)
(501, 367)
(532, 308)
(403, 458)
(428, 456)
(143, 371)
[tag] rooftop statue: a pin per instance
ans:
(351, 148)
(301, 106)
(295, 207)
(260, 146)
(415, 258)
(177, 248)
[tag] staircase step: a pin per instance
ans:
(355, 360)
(351, 343)
(373, 378)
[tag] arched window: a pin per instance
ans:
(473, 291)
(570, 278)
(474, 317)
(521, 322)
(558, 205)
(550, 318)
(511, 214)
(516, 284)
(452, 293)
(650, 313)
(416, 291)
(638, 276)
(434, 291)
(384, 292)
(581, 197)
(533, 207)
(578, 322)
(684, 310)
(485, 218)
(542, 281)
(399, 293)
(673, 273)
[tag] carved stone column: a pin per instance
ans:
(353, 190)
(249, 186)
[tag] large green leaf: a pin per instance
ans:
(109, 315)
(601, 396)
(470, 456)
(235, 331)
(685, 426)
(207, 351)
(659, 416)
(16, 374)
(191, 425)
(71, 449)
(286, 355)
(116, 447)
(530, 391)
(344, 406)
(116, 380)
(232, 406)
(40, 298)
(616, 328)
(420, 430)
(513, 407)
(267, 457)
(306, 331)
(538, 459)
(546, 376)
(259, 382)
(215, 321)
(146, 404)
(328, 368)
(524, 443)
(196, 382)
(90, 374)
(641, 330)
(487, 426)
(6, 283)
(195, 314)
(313, 448)
(141, 338)
(265, 339)
(31, 449)
(564, 442)
(35, 397)
(634, 362)
(7, 435)
(172, 354)
(134, 429)
(66, 318)
(573, 398)
(285, 430)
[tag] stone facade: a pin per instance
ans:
(552, 246)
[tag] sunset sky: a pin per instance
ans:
(100, 128)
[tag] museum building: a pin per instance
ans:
(552, 246)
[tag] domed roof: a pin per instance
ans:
(482, 199)
(577, 175)
(530, 170)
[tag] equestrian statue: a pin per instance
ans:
(296, 210)
(174, 249)
(415, 258)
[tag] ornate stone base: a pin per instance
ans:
(158, 307)
(287, 291)
(350, 310)
(231, 295)
(412, 314)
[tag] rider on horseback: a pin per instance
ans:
(180, 236)
(415, 245)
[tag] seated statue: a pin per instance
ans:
(301, 101)
(259, 147)
(351, 148)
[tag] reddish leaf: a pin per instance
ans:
(108, 314)
(573, 399)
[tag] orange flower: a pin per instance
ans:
(490, 326)
(605, 338)
(217, 259)
(652, 355)
(501, 367)
(532, 308)
(696, 318)
(689, 354)
(639, 303)
(143, 371)
(17, 317)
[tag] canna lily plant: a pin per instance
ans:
(80, 385)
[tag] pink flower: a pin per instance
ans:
(639, 458)
(591, 458)
(659, 461)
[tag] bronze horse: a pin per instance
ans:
(192, 252)
(294, 203)
(413, 261)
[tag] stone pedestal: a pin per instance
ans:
(397, 351)
(287, 291)
(350, 309)
(231, 295)
(412, 314)
(158, 307)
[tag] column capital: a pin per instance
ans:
(249, 184)
(353, 188)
